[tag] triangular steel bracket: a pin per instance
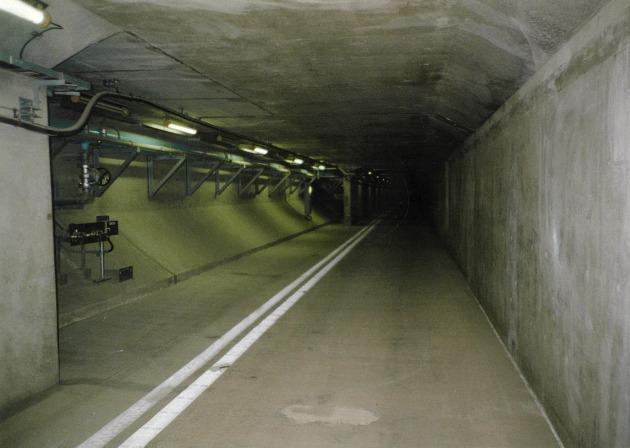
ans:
(220, 189)
(191, 186)
(154, 186)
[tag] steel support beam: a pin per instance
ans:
(155, 186)
(243, 188)
(220, 189)
(294, 187)
(191, 186)
(261, 188)
(276, 186)
(120, 169)
(306, 184)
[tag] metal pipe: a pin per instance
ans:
(101, 248)
(91, 104)
(85, 166)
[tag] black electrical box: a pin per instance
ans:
(92, 232)
(125, 273)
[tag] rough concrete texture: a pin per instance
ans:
(535, 208)
(343, 80)
(81, 29)
(110, 361)
(167, 236)
(390, 349)
(28, 313)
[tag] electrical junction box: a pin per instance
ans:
(125, 273)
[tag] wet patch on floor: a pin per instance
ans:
(329, 415)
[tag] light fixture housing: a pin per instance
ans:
(255, 150)
(181, 128)
(260, 150)
(25, 11)
(161, 127)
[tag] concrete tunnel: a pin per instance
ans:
(315, 223)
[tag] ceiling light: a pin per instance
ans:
(25, 11)
(297, 161)
(278, 167)
(320, 167)
(256, 150)
(161, 127)
(181, 128)
(261, 151)
(369, 173)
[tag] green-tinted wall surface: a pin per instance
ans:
(166, 237)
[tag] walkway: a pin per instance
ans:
(389, 349)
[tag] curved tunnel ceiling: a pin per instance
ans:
(365, 82)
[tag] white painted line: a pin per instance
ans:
(116, 426)
(520, 373)
(175, 407)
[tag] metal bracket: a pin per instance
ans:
(155, 186)
(304, 186)
(261, 188)
(192, 187)
(294, 186)
(131, 156)
(276, 187)
(221, 188)
(17, 65)
(242, 188)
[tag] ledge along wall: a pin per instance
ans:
(28, 311)
(536, 209)
(166, 238)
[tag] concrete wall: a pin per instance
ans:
(167, 237)
(28, 314)
(536, 209)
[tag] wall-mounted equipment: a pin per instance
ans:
(98, 232)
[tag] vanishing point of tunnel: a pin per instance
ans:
(315, 223)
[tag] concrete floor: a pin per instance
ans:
(389, 350)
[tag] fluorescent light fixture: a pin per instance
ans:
(181, 128)
(256, 150)
(278, 167)
(297, 161)
(161, 127)
(24, 11)
(321, 167)
(261, 151)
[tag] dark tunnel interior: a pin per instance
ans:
(315, 223)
